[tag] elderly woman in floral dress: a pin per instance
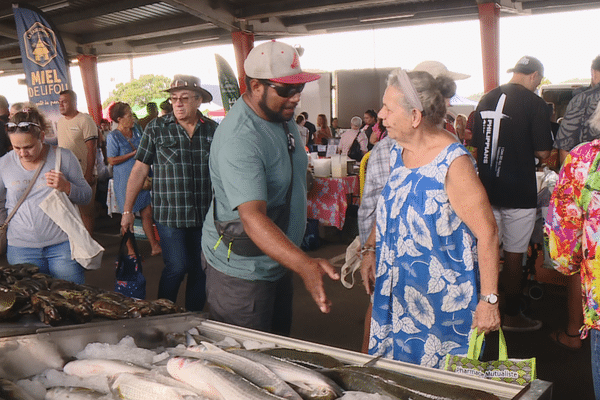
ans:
(432, 262)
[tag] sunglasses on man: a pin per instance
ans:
(182, 99)
(286, 91)
(24, 126)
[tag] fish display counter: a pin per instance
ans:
(24, 356)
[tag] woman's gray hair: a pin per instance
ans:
(430, 92)
(356, 121)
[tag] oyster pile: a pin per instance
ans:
(24, 290)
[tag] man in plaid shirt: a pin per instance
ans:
(176, 146)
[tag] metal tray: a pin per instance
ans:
(26, 355)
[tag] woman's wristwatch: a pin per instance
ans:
(491, 298)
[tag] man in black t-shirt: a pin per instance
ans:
(512, 127)
(311, 129)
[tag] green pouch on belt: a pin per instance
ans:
(504, 369)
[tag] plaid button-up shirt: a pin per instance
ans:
(378, 171)
(181, 189)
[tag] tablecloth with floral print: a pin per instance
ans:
(329, 198)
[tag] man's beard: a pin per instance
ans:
(273, 116)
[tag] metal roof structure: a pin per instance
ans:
(117, 29)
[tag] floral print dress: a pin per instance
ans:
(572, 227)
(427, 277)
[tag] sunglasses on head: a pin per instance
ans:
(286, 91)
(21, 126)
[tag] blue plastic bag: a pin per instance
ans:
(129, 278)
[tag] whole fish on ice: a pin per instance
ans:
(11, 391)
(145, 387)
(255, 372)
(75, 393)
(308, 359)
(401, 386)
(214, 382)
(93, 367)
(308, 383)
(425, 387)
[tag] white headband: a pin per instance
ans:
(409, 90)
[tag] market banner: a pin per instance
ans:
(44, 60)
(230, 90)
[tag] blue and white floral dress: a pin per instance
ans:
(427, 276)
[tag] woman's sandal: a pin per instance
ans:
(556, 335)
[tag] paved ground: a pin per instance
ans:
(570, 372)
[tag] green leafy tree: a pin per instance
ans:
(139, 92)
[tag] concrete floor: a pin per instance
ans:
(335, 328)
(569, 371)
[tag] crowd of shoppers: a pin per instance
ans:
(435, 224)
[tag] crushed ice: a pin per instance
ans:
(125, 350)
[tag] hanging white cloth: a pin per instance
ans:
(352, 264)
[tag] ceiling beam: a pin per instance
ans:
(196, 37)
(304, 7)
(400, 10)
(6, 11)
(145, 29)
(207, 10)
(325, 25)
(108, 7)
(421, 20)
(8, 32)
(548, 6)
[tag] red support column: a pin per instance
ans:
(489, 18)
(88, 65)
(243, 42)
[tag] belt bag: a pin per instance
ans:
(232, 232)
(233, 235)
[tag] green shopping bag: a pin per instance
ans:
(504, 369)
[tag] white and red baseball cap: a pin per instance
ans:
(277, 62)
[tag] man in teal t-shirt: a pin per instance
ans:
(251, 172)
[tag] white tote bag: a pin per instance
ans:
(352, 264)
(84, 249)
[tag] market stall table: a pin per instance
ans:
(329, 198)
